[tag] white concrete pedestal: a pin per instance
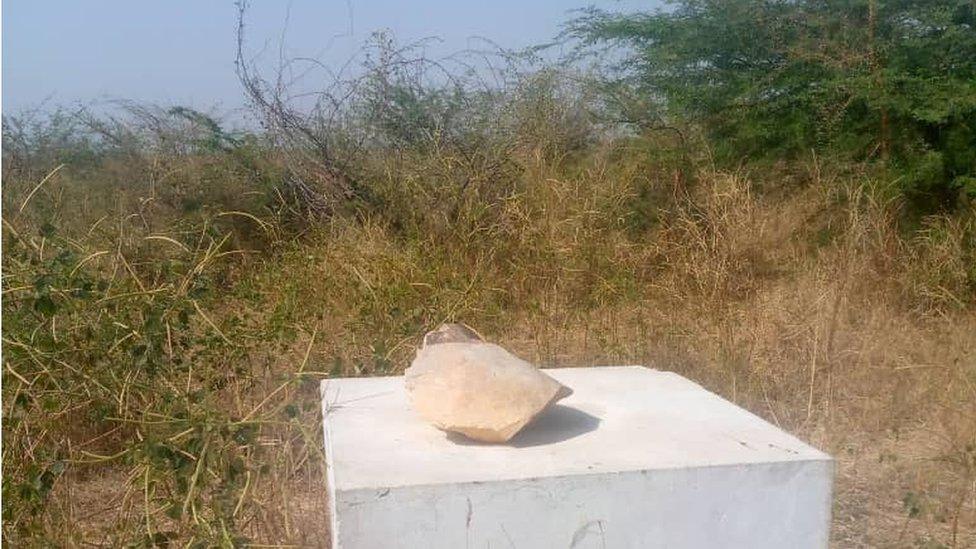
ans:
(634, 458)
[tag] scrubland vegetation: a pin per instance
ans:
(173, 291)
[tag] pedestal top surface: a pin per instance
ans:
(618, 419)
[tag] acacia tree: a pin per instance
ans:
(878, 80)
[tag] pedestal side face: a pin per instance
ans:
(749, 506)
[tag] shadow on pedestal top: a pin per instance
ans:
(557, 424)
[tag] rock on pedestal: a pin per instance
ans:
(634, 458)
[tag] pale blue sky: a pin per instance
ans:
(182, 51)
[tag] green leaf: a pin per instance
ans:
(45, 305)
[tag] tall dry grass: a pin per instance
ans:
(812, 306)
(166, 322)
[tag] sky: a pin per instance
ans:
(182, 51)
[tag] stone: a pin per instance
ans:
(461, 384)
(452, 333)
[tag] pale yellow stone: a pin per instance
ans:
(461, 384)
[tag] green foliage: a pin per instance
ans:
(867, 79)
(87, 351)
(34, 142)
(397, 101)
(116, 362)
(214, 138)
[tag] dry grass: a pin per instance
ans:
(806, 304)
(812, 309)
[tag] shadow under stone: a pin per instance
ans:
(556, 424)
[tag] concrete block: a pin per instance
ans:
(634, 458)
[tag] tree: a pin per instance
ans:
(893, 81)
